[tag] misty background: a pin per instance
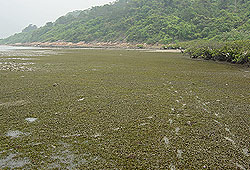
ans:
(15, 15)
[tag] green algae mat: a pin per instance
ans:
(120, 109)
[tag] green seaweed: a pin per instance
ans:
(129, 99)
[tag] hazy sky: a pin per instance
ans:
(17, 14)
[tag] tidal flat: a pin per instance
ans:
(120, 109)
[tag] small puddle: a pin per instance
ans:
(64, 157)
(170, 121)
(81, 99)
(166, 140)
(13, 66)
(177, 130)
(12, 162)
(179, 153)
(97, 135)
(245, 152)
(31, 119)
(143, 124)
(14, 134)
(116, 129)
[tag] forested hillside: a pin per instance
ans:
(147, 21)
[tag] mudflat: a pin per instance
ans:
(120, 109)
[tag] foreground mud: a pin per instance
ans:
(111, 109)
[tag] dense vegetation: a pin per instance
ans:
(231, 51)
(147, 21)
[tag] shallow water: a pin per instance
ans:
(9, 48)
(12, 52)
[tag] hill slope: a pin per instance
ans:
(147, 21)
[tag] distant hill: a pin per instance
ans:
(147, 21)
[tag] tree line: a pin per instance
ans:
(230, 51)
(147, 21)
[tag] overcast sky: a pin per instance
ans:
(17, 14)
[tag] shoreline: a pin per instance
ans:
(82, 45)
